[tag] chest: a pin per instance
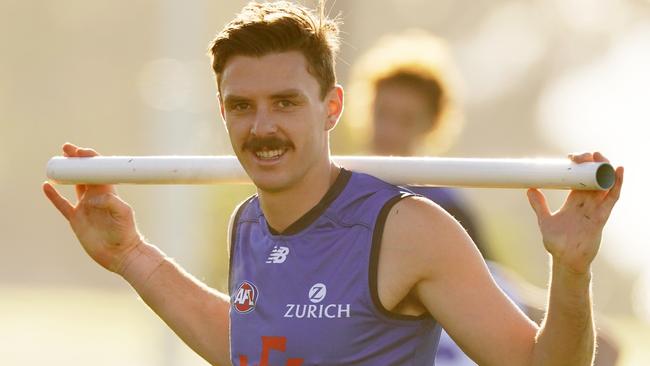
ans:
(311, 298)
(307, 293)
(281, 274)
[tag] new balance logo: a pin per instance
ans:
(278, 255)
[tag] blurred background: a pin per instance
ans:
(542, 78)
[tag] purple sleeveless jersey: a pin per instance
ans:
(308, 295)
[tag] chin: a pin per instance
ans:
(270, 182)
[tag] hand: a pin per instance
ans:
(572, 234)
(103, 223)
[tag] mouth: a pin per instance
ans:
(268, 150)
(270, 155)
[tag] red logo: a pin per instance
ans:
(245, 298)
(268, 344)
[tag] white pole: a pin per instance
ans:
(459, 172)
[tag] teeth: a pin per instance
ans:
(269, 154)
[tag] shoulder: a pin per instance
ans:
(248, 208)
(425, 234)
(440, 195)
(242, 209)
(413, 216)
(364, 199)
(450, 200)
(421, 248)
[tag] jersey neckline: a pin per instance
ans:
(315, 212)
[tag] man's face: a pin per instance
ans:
(275, 118)
(401, 118)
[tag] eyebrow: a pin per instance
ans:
(230, 99)
(284, 94)
(289, 94)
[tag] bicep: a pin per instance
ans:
(455, 286)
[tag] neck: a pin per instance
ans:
(283, 208)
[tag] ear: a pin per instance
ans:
(334, 100)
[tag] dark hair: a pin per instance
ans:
(264, 28)
(429, 88)
(416, 58)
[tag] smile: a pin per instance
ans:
(270, 154)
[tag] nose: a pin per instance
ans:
(264, 123)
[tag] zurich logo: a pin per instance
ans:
(315, 310)
(317, 293)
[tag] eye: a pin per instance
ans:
(239, 107)
(285, 103)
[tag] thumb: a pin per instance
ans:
(538, 203)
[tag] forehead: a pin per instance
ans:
(258, 76)
(401, 96)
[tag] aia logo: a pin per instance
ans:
(245, 298)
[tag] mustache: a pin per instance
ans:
(271, 143)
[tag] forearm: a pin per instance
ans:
(196, 313)
(567, 334)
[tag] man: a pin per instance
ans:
(404, 96)
(329, 266)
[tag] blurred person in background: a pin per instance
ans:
(404, 96)
(390, 265)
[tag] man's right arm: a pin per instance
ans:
(105, 226)
(197, 313)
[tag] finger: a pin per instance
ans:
(615, 192)
(600, 157)
(72, 150)
(62, 204)
(581, 158)
(538, 203)
(81, 190)
(86, 152)
(83, 153)
(69, 150)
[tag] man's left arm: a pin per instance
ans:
(572, 236)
